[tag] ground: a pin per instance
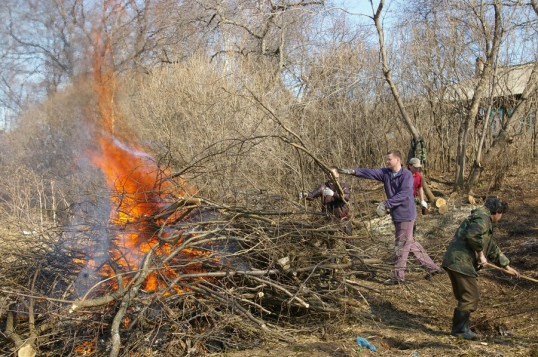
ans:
(415, 319)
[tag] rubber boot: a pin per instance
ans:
(460, 325)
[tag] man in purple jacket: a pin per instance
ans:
(398, 183)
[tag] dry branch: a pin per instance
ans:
(301, 145)
(510, 273)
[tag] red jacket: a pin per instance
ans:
(417, 183)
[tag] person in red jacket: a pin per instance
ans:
(418, 191)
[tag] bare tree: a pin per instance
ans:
(417, 138)
(506, 135)
(44, 42)
(436, 74)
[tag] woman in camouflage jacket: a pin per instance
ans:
(471, 247)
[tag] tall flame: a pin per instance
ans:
(139, 188)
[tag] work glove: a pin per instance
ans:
(328, 192)
(424, 204)
(381, 209)
(346, 171)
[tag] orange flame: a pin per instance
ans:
(85, 348)
(139, 188)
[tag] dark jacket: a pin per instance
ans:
(332, 204)
(475, 234)
(399, 191)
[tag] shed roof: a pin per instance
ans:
(511, 80)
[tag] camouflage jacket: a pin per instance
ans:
(475, 234)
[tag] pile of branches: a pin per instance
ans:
(238, 278)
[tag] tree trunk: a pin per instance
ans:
(485, 75)
(460, 153)
(396, 94)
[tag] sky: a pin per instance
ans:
(358, 6)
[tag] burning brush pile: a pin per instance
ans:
(145, 265)
(166, 271)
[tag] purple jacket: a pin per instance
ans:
(399, 190)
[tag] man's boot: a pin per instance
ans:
(460, 325)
